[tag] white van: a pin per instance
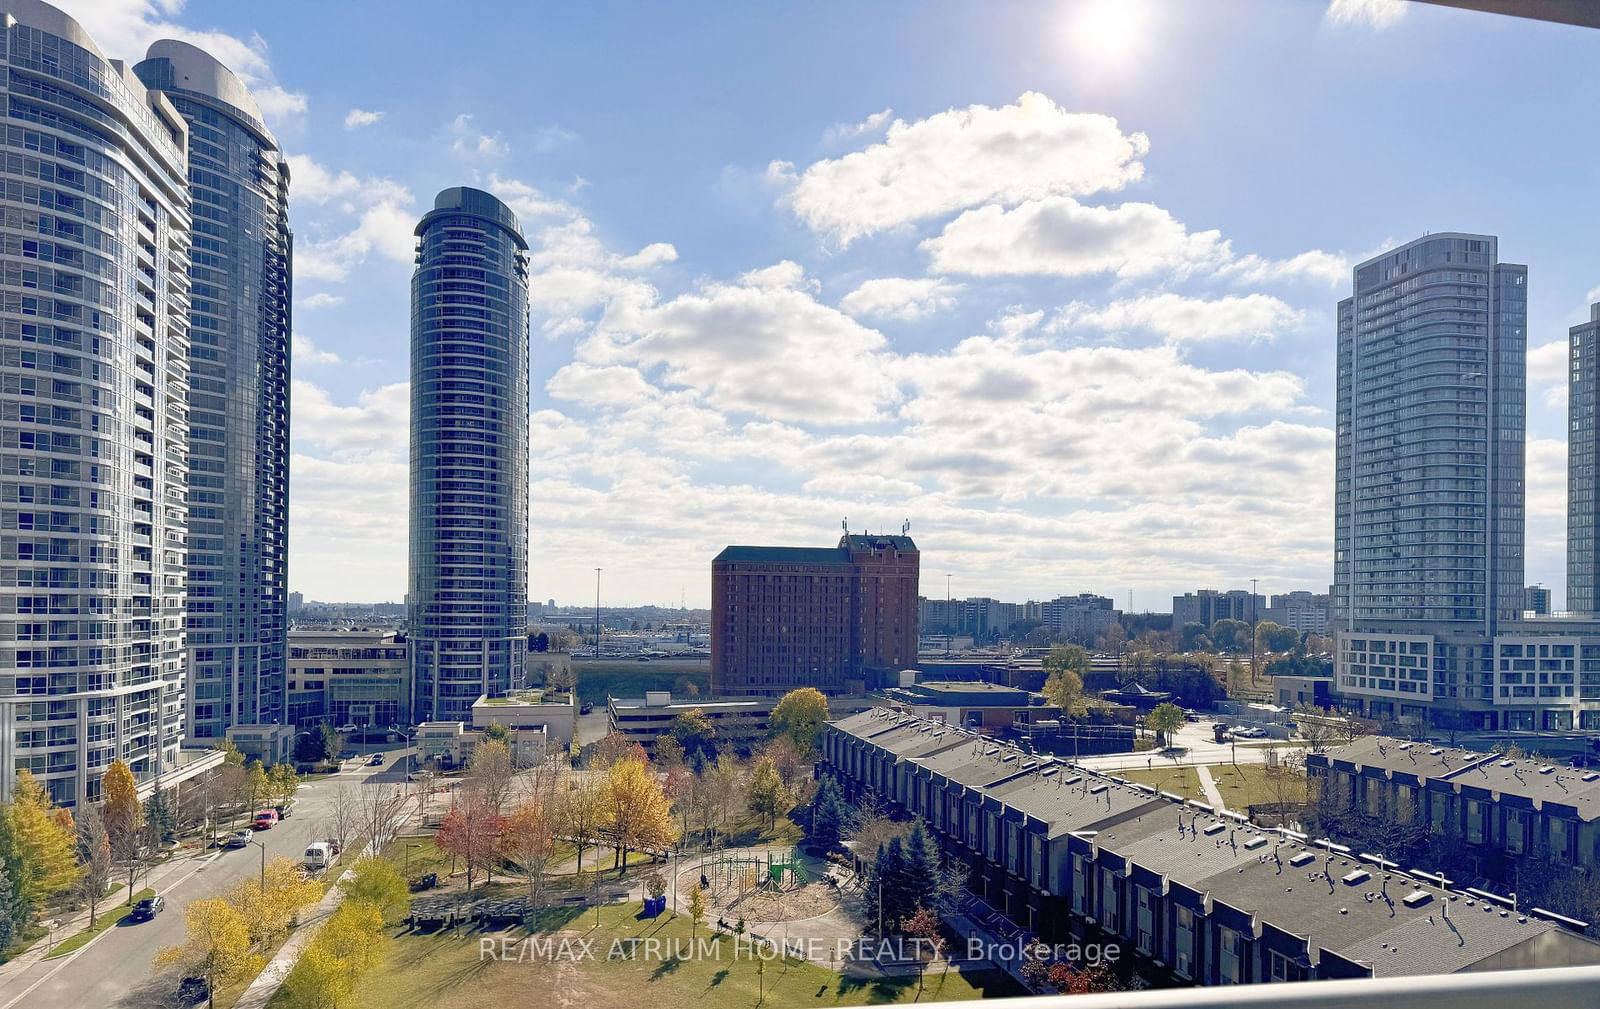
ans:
(318, 856)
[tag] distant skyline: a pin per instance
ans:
(1056, 282)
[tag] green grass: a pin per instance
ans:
(1243, 785)
(30, 937)
(106, 918)
(445, 971)
(1177, 780)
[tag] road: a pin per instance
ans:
(115, 969)
(1193, 744)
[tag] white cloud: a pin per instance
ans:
(846, 131)
(905, 298)
(614, 386)
(376, 426)
(1377, 14)
(307, 353)
(277, 104)
(961, 158)
(1329, 267)
(552, 137)
(1062, 236)
(322, 299)
(374, 214)
(355, 119)
(1179, 318)
(784, 275)
(467, 141)
(1548, 365)
(765, 347)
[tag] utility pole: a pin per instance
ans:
(949, 622)
(1253, 632)
(597, 613)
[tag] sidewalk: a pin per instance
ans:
(1209, 786)
(272, 977)
(75, 924)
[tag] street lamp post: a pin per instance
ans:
(263, 848)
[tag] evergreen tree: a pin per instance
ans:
(827, 815)
(921, 866)
(15, 907)
(158, 813)
(889, 880)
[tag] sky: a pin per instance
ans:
(1053, 281)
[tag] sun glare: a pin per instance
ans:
(1106, 33)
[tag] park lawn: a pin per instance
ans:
(440, 971)
(1182, 781)
(1242, 785)
(107, 918)
(750, 831)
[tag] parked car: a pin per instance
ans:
(318, 856)
(1250, 732)
(1219, 732)
(375, 759)
(334, 845)
(345, 728)
(587, 709)
(284, 810)
(148, 908)
(238, 839)
(266, 819)
(347, 754)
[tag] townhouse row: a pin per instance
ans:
(1192, 896)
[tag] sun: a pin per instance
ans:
(1106, 33)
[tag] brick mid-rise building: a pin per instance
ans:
(834, 619)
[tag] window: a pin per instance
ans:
(1230, 963)
(1145, 938)
(1183, 943)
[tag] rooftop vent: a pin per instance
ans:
(1546, 770)
(1304, 858)
(1097, 789)
(1416, 898)
(1435, 752)
(1074, 779)
(1505, 763)
(1254, 843)
(1358, 876)
(1214, 828)
(1591, 776)
(1048, 771)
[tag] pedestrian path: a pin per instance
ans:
(1207, 785)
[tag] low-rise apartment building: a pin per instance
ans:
(349, 677)
(553, 711)
(1196, 897)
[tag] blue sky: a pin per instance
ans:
(1054, 281)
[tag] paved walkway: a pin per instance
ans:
(277, 970)
(1209, 786)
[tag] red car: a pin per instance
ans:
(266, 819)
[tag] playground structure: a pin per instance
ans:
(779, 869)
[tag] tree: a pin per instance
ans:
(230, 753)
(540, 642)
(1274, 637)
(374, 880)
(124, 819)
(1035, 972)
(612, 748)
(923, 926)
(723, 786)
(1064, 688)
(793, 768)
(350, 943)
(1231, 635)
(284, 782)
(272, 904)
(15, 906)
(94, 856)
(469, 832)
(827, 815)
(222, 791)
(799, 715)
(217, 946)
(669, 752)
(698, 737)
(768, 797)
(581, 813)
(1166, 719)
(490, 769)
(379, 811)
(921, 866)
(497, 733)
(320, 980)
(529, 839)
(885, 888)
(48, 848)
(257, 786)
(344, 816)
(697, 909)
(636, 812)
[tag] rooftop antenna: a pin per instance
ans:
(905, 528)
(846, 525)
